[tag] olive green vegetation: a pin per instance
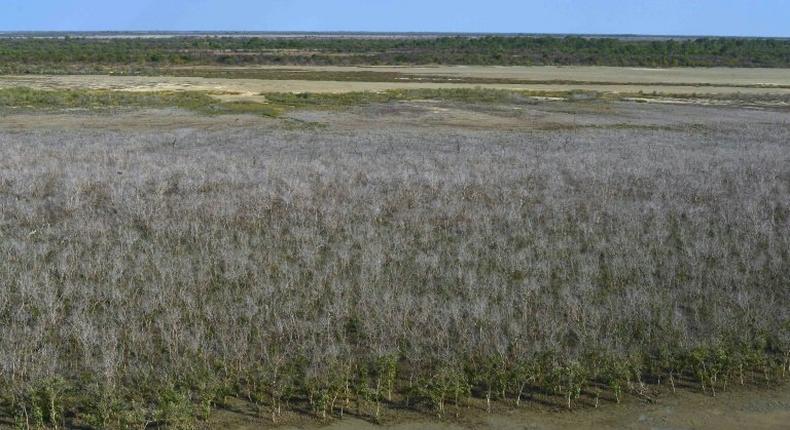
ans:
(84, 98)
(203, 102)
(32, 55)
(275, 103)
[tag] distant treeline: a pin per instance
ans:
(494, 50)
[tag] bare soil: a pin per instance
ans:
(713, 76)
(757, 409)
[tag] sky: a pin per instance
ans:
(653, 17)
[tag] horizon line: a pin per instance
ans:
(373, 33)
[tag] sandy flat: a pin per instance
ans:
(716, 75)
(766, 409)
(249, 87)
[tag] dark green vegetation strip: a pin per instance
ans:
(36, 55)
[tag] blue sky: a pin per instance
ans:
(692, 17)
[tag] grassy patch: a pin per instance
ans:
(35, 99)
(19, 97)
(276, 103)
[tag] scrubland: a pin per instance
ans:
(363, 267)
(86, 54)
